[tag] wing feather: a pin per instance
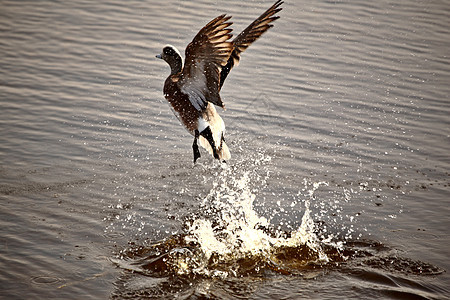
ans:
(248, 36)
(205, 56)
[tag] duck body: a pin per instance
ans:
(204, 124)
(193, 88)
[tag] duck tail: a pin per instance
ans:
(217, 128)
(221, 147)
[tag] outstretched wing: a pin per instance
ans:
(248, 36)
(204, 58)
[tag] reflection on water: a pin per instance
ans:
(337, 122)
(174, 267)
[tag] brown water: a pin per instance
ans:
(338, 123)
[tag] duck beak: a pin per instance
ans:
(159, 56)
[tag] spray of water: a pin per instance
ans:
(229, 232)
(228, 238)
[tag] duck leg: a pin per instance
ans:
(222, 139)
(207, 134)
(195, 147)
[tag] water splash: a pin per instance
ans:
(228, 239)
(229, 232)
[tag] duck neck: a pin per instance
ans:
(176, 65)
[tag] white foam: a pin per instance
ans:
(238, 230)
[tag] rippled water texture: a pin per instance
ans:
(337, 121)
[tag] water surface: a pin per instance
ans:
(337, 121)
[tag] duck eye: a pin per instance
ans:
(168, 51)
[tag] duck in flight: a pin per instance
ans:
(193, 89)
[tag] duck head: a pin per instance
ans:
(172, 56)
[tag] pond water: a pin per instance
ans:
(338, 123)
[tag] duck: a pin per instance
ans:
(193, 86)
